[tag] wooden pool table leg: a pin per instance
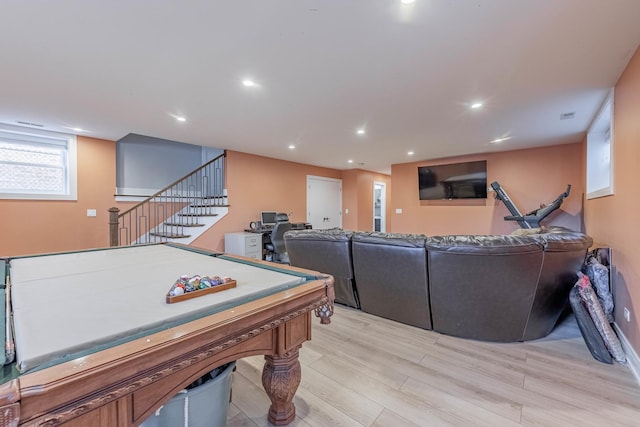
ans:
(281, 378)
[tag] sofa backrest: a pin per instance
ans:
(326, 251)
(496, 288)
(391, 271)
(483, 287)
(564, 254)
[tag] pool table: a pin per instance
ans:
(97, 344)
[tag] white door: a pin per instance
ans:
(324, 202)
(379, 207)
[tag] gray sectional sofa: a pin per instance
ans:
(496, 288)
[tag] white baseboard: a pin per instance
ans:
(632, 357)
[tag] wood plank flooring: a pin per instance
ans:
(363, 370)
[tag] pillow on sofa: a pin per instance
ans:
(590, 300)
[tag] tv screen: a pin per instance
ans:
(453, 181)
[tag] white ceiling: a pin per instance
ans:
(325, 68)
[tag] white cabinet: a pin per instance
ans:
(245, 244)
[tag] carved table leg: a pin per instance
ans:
(280, 378)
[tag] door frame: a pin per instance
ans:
(383, 206)
(324, 178)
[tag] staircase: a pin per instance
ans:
(178, 213)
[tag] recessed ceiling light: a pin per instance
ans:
(497, 140)
(249, 83)
(292, 147)
(349, 161)
(407, 1)
(476, 105)
(360, 131)
(75, 129)
(181, 119)
(410, 153)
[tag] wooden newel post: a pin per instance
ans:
(113, 227)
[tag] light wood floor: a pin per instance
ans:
(362, 370)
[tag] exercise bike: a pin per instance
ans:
(531, 219)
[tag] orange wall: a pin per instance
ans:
(357, 197)
(255, 184)
(258, 183)
(350, 199)
(530, 177)
(613, 220)
(35, 226)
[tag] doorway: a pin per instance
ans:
(379, 207)
(324, 202)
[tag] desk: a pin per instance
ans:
(134, 364)
(246, 244)
(235, 242)
(267, 231)
(265, 239)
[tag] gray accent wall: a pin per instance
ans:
(145, 165)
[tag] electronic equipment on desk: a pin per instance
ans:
(268, 218)
(300, 226)
(259, 226)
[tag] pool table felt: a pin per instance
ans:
(69, 303)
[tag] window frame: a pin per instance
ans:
(40, 136)
(597, 141)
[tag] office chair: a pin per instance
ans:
(276, 247)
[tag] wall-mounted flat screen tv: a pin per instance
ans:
(453, 181)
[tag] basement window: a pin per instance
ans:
(37, 164)
(600, 152)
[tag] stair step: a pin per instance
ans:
(196, 214)
(209, 206)
(170, 235)
(174, 224)
(183, 196)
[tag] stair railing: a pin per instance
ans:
(172, 211)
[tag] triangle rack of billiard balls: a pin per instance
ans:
(188, 287)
